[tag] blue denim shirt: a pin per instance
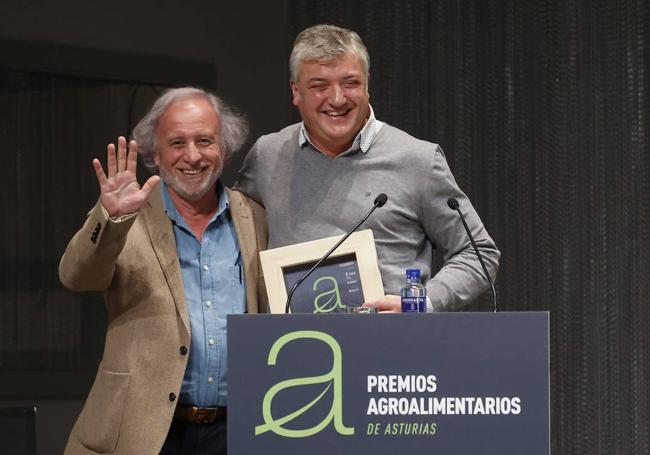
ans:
(214, 287)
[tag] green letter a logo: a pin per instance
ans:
(332, 378)
(327, 301)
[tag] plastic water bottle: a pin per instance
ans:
(414, 295)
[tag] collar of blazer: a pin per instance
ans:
(159, 228)
(242, 218)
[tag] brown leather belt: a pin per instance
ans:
(196, 414)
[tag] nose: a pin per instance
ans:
(193, 154)
(337, 97)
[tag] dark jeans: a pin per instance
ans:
(186, 438)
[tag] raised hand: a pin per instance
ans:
(121, 193)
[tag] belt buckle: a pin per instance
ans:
(205, 415)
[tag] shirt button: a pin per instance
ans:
(210, 341)
(183, 350)
(208, 303)
(172, 396)
(210, 380)
(206, 268)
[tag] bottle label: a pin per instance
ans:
(414, 304)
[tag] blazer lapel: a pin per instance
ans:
(159, 228)
(245, 228)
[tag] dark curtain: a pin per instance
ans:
(51, 127)
(542, 110)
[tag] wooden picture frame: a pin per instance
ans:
(357, 255)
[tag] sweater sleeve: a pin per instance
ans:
(461, 278)
(249, 175)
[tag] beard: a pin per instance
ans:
(197, 188)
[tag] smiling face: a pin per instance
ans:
(188, 151)
(333, 101)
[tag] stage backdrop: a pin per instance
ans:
(542, 110)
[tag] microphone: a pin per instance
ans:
(453, 204)
(380, 201)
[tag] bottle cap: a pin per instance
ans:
(412, 274)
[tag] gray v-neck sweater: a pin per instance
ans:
(308, 196)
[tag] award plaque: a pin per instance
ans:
(347, 279)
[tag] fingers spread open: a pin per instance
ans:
(111, 160)
(132, 159)
(149, 185)
(121, 154)
(101, 176)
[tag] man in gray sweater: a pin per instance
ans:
(316, 178)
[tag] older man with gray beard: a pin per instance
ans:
(173, 260)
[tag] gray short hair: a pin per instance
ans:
(324, 43)
(234, 128)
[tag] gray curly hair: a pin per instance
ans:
(234, 128)
(324, 43)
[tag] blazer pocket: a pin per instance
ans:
(101, 418)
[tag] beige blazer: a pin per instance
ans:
(131, 403)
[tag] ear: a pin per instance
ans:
(156, 158)
(368, 85)
(295, 92)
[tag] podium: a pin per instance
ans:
(448, 383)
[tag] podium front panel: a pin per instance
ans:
(448, 383)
